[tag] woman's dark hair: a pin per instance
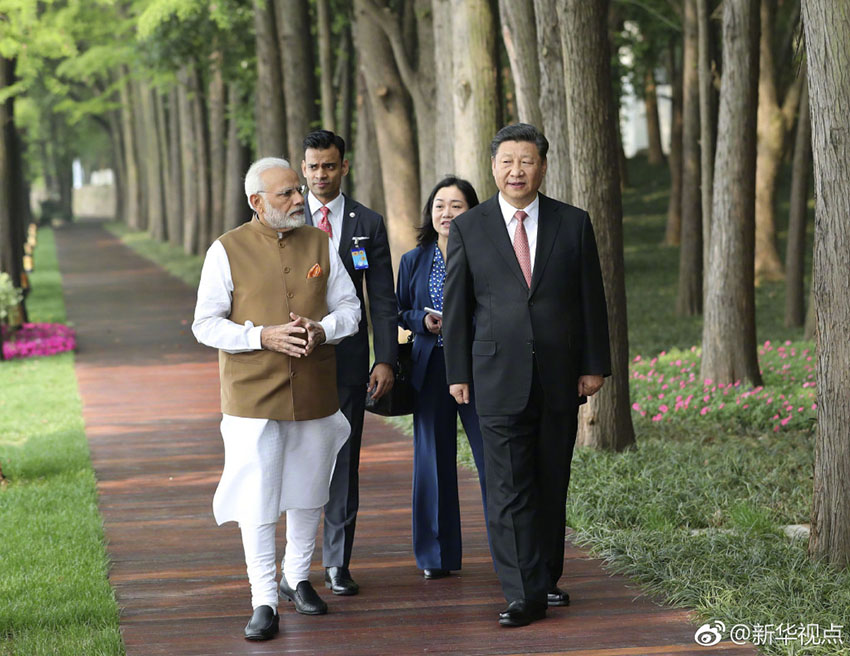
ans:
(427, 234)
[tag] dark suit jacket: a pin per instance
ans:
(352, 353)
(561, 322)
(413, 295)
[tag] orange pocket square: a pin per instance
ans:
(315, 271)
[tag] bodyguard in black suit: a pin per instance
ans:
(361, 238)
(524, 317)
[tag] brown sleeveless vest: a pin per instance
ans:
(270, 281)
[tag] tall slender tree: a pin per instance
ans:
(795, 254)
(729, 329)
(268, 96)
(605, 421)
(827, 27)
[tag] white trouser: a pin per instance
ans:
(259, 545)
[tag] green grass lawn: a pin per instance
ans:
(54, 594)
(695, 513)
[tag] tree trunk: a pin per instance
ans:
(729, 330)
(475, 87)
(188, 159)
(673, 233)
(653, 124)
(236, 210)
(706, 131)
(296, 62)
(827, 25)
(11, 251)
(689, 298)
(143, 148)
(553, 100)
(271, 118)
(345, 91)
(774, 122)
(174, 197)
(202, 157)
(217, 147)
(795, 254)
(519, 34)
(368, 180)
(118, 163)
(155, 203)
(169, 189)
(444, 146)
(323, 24)
(605, 421)
(393, 130)
(132, 209)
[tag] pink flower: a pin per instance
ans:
(663, 408)
(704, 411)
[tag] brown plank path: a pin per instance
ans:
(150, 399)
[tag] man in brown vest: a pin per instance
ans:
(273, 297)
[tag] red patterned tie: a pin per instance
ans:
(523, 256)
(324, 224)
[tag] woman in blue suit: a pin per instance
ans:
(436, 510)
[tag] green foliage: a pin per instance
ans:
(55, 597)
(10, 296)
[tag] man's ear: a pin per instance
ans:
(252, 201)
(345, 167)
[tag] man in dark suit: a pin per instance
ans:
(524, 317)
(361, 239)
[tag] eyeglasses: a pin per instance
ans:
(286, 193)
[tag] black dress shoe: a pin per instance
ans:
(264, 624)
(306, 599)
(522, 613)
(339, 580)
(557, 597)
(435, 573)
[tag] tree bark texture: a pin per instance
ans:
(444, 148)
(268, 95)
(775, 121)
(169, 189)
(795, 254)
(202, 157)
(153, 192)
(729, 329)
(10, 248)
(236, 210)
(706, 130)
(689, 297)
(475, 87)
(673, 233)
(366, 170)
(519, 34)
(131, 210)
(827, 26)
(175, 198)
(655, 152)
(217, 147)
(118, 164)
(605, 421)
(553, 100)
(190, 171)
(345, 71)
(296, 57)
(390, 105)
(326, 67)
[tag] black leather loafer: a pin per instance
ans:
(557, 597)
(435, 573)
(307, 601)
(522, 613)
(264, 624)
(339, 580)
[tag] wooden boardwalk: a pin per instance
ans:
(150, 398)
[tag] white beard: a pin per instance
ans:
(294, 218)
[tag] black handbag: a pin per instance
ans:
(399, 400)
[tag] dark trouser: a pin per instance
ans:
(527, 463)
(341, 509)
(436, 509)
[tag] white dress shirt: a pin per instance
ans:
(215, 294)
(336, 207)
(530, 222)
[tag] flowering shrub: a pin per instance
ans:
(10, 296)
(667, 388)
(35, 339)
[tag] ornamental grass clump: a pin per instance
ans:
(667, 388)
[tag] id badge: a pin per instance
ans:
(359, 257)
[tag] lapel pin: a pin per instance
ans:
(351, 214)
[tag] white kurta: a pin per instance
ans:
(271, 465)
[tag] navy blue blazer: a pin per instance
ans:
(413, 295)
